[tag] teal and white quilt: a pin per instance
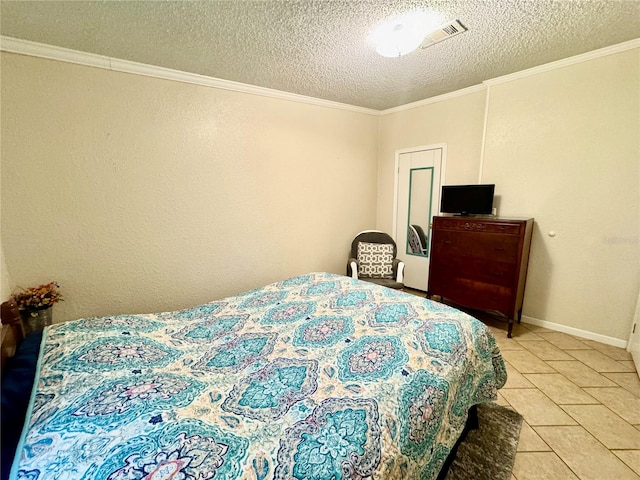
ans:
(317, 377)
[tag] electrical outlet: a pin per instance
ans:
(494, 211)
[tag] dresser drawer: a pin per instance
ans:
(470, 244)
(474, 294)
(477, 269)
(478, 225)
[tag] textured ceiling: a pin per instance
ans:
(319, 48)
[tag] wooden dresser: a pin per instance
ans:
(481, 263)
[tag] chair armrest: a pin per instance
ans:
(352, 268)
(398, 269)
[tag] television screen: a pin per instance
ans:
(467, 199)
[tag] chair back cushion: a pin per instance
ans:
(375, 260)
(372, 236)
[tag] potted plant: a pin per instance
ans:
(35, 305)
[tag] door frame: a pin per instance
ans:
(396, 173)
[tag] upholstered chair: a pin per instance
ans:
(373, 259)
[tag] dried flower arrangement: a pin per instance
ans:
(38, 298)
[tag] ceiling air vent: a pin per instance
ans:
(448, 30)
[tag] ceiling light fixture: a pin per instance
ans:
(405, 33)
(402, 34)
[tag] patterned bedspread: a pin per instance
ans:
(317, 377)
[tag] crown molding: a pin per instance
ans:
(439, 98)
(35, 49)
(621, 47)
(565, 62)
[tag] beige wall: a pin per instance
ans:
(141, 195)
(5, 278)
(458, 122)
(564, 147)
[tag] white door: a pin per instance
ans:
(417, 197)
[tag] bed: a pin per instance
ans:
(319, 377)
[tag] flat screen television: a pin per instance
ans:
(467, 199)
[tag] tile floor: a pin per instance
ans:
(580, 401)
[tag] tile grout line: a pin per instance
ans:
(602, 405)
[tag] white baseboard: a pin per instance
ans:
(616, 342)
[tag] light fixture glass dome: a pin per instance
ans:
(402, 34)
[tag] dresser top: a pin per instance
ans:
(485, 218)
